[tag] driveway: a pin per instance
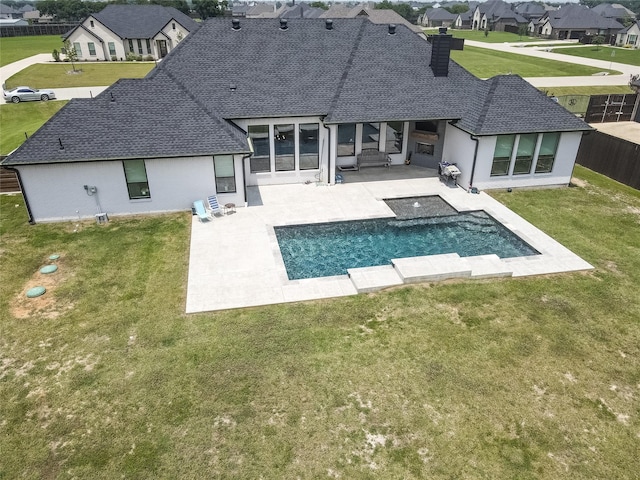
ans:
(593, 80)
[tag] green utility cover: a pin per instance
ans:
(49, 269)
(35, 292)
(55, 256)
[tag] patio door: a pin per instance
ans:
(162, 47)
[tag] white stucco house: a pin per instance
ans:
(119, 30)
(629, 36)
(250, 102)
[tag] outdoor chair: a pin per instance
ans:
(198, 207)
(214, 206)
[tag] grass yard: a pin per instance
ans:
(484, 63)
(534, 378)
(13, 49)
(16, 119)
(593, 90)
(604, 53)
(59, 75)
(478, 35)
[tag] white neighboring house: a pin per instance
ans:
(629, 36)
(119, 30)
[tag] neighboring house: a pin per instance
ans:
(573, 22)
(219, 114)
(495, 15)
(614, 11)
(437, 17)
(13, 22)
(9, 12)
(261, 10)
(300, 10)
(463, 20)
(378, 16)
(629, 37)
(530, 10)
(119, 30)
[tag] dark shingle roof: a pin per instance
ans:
(306, 69)
(150, 117)
(508, 104)
(141, 21)
(578, 16)
(434, 14)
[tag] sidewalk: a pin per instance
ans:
(593, 80)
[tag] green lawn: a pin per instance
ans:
(599, 90)
(605, 53)
(105, 376)
(493, 37)
(17, 48)
(484, 63)
(21, 118)
(60, 75)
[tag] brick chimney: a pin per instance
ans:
(440, 52)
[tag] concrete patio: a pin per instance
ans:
(235, 261)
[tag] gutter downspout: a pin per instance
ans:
(244, 178)
(24, 194)
(328, 150)
(475, 158)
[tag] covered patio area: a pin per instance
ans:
(235, 260)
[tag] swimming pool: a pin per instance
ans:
(327, 249)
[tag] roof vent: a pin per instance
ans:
(442, 30)
(60, 142)
(232, 87)
(113, 99)
(392, 29)
(235, 24)
(283, 24)
(328, 24)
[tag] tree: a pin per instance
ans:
(597, 41)
(210, 8)
(523, 31)
(458, 8)
(318, 4)
(405, 10)
(71, 53)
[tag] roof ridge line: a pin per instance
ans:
(347, 68)
(487, 102)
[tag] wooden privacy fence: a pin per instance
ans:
(611, 156)
(36, 29)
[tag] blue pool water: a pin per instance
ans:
(327, 249)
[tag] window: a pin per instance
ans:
(148, 46)
(136, 176)
(91, 22)
(173, 26)
(261, 158)
(285, 146)
(502, 155)
(524, 154)
(225, 173)
(429, 126)
(632, 39)
(76, 47)
(370, 135)
(547, 153)
(92, 49)
(139, 47)
(112, 49)
(131, 45)
(395, 134)
(347, 140)
(308, 141)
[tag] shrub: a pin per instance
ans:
(148, 58)
(114, 58)
(132, 57)
(56, 55)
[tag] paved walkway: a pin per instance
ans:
(235, 260)
(593, 80)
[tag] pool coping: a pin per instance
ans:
(235, 260)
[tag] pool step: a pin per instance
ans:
(488, 266)
(431, 268)
(371, 279)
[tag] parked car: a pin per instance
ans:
(26, 94)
